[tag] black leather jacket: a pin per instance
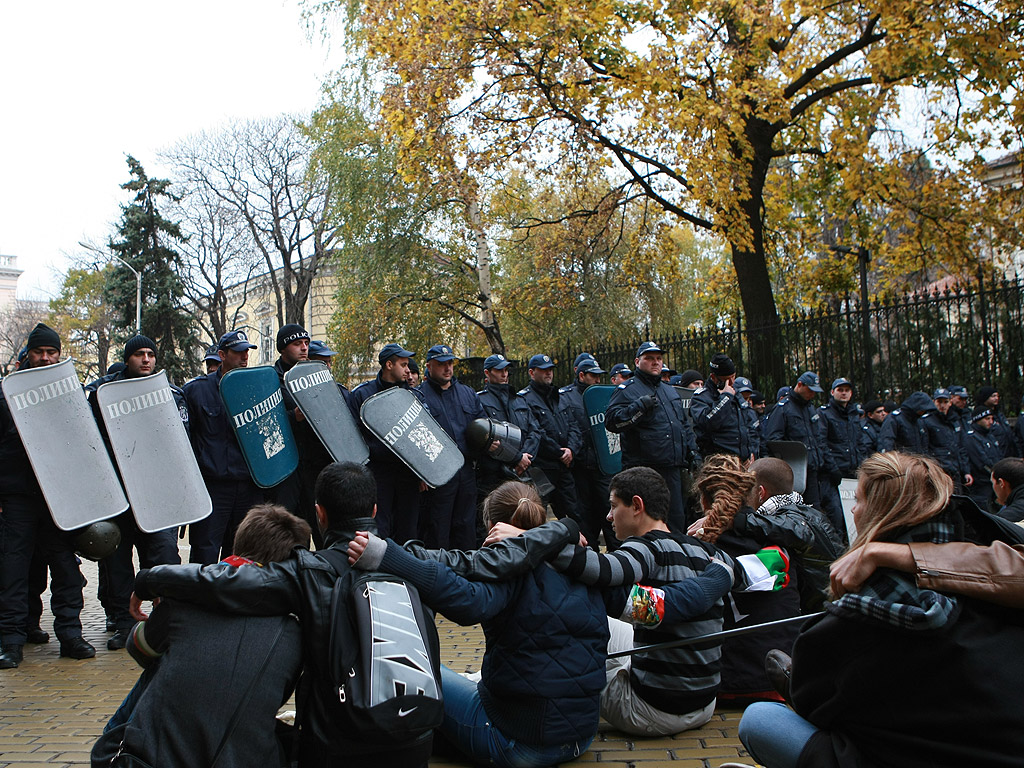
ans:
(303, 585)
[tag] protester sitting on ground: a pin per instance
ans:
(897, 674)
(659, 692)
(304, 585)
(1008, 487)
(538, 699)
(726, 492)
(212, 683)
(775, 515)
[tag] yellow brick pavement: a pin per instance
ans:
(52, 709)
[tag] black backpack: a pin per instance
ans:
(384, 656)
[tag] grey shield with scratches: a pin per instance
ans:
(316, 393)
(153, 453)
(405, 426)
(64, 445)
(793, 453)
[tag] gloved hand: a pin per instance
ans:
(647, 403)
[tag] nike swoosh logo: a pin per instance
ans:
(404, 712)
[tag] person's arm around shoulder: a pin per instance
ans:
(506, 558)
(994, 573)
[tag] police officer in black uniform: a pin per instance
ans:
(398, 489)
(719, 423)
(158, 548)
(560, 439)
(591, 482)
(871, 427)
(903, 429)
(220, 458)
(958, 406)
(983, 451)
(648, 414)
(946, 440)
(988, 397)
(27, 527)
(502, 404)
(795, 418)
(841, 430)
(448, 513)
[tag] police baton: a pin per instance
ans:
(715, 637)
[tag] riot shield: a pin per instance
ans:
(255, 406)
(847, 491)
(317, 394)
(793, 453)
(64, 445)
(405, 426)
(609, 449)
(153, 454)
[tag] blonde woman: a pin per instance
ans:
(895, 674)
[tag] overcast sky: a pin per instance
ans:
(85, 84)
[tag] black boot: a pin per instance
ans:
(778, 666)
(37, 636)
(76, 648)
(10, 657)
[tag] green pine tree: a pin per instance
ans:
(146, 242)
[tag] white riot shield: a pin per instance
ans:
(64, 445)
(153, 454)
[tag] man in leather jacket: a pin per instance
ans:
(304, 585)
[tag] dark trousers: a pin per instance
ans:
(36, 587)
(398, 501)
(673, 477)
(592, 498)
(563, 499)
(832, 504)
(25, 525)
(214, 535)
(158, 548)
(811, 492)
(448, 513)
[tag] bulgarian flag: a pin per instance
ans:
(766, 570)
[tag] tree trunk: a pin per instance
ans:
(489, 323)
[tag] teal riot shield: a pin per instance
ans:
(793, 453)
(316, 393)
(255, 406)
(152, 452)
(609, 450)
(406, 427)
(64, 445)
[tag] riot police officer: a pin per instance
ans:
(841, 431)
(219, 456)
(871, 427)
(26, 527)
(795, 418)
(293, 348)
(117, 572)
(982, 452)
(398, 489)
(903, 430)
(719, 422)
(946, 440)
(502, 404)
(648, 414)
(591, 482)
(560, 439)
(448, 513)
(988, 397)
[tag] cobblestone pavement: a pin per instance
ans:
(53, 709)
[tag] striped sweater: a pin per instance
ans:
(677, 680)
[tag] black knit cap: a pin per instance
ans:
(135, 343)
(722, 365)
(984, 393)
(43, 336)
(289, 333)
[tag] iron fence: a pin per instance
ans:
(972, 336)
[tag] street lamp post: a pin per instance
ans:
(138, 294)
(138, 283)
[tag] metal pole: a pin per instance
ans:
(138, 293)
(863, 256)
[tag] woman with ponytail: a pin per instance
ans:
(894, 673)
(538, 699)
